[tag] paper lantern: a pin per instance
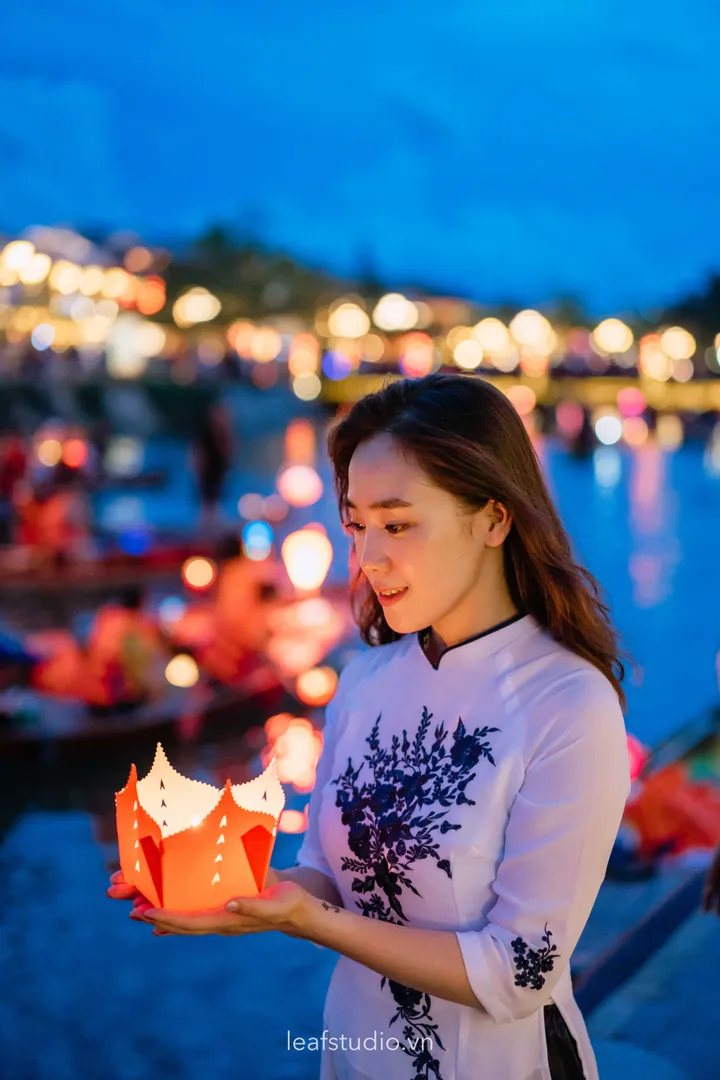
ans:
(189, 846)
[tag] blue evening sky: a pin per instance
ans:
(520, 149)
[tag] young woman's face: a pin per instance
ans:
(415, 537)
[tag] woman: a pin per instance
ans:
(475, 768)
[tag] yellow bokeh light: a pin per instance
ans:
(304, 355)
(316, 686)
(240, 335)
(348, 320)
(456, 335)
(533, 364)
(266, 345)
(35, 269)
(92, 280)
(531, 329)
(17, 254)
(468, 354)
(195, 306)
(49, 452)
(306, 387)
(394, 312)
(652, 361)
(493, 335)
(669, 431)
(8, 276)
(116, 283)
(198, 572)
(65, 277)
(612, 336)
(677, 344)
(182, 671)
(373, 348)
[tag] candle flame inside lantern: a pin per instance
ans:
(169, 828)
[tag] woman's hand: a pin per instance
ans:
(119, 890)
(280, 906)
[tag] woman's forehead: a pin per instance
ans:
(379, 474)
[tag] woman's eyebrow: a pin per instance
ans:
(384, 504)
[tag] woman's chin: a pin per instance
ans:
(402, 623)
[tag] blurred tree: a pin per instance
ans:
(698, 312)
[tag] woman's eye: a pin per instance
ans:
(395, 529)
(353, 526)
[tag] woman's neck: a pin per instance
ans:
(474, 615)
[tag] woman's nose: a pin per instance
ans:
(372, 555)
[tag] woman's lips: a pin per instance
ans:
(386, 601)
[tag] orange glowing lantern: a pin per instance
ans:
(188, 846)
(307, 555)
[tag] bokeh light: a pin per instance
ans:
(198, 572)
(531, 329)
(300, 485)
(417, 354)
(306, 387)
(307, 555)
(608, 429)
(195, 306)
(669, 431)
(182, 671)
(316, 686)
(523, 399)
(492, 335)
(257, 538)
(348, 320)
(468, 354)
(677, 344)
(612, 336)
(49, 452)
(394, 312)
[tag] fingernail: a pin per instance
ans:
(232, 906)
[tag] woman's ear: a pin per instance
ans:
(500, 523)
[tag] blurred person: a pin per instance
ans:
(475, 766)
(13, 463)
(246, 597)
(122, 663)
(53, 518)
(212, 446)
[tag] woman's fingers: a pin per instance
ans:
(119, 889)
(122, 892)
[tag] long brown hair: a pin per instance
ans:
(470, 441)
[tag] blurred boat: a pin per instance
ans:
(37, 727)
(115, 569)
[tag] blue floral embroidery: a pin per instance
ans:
(391, 819)
(530, 962)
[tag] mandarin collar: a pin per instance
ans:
(483, 644)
